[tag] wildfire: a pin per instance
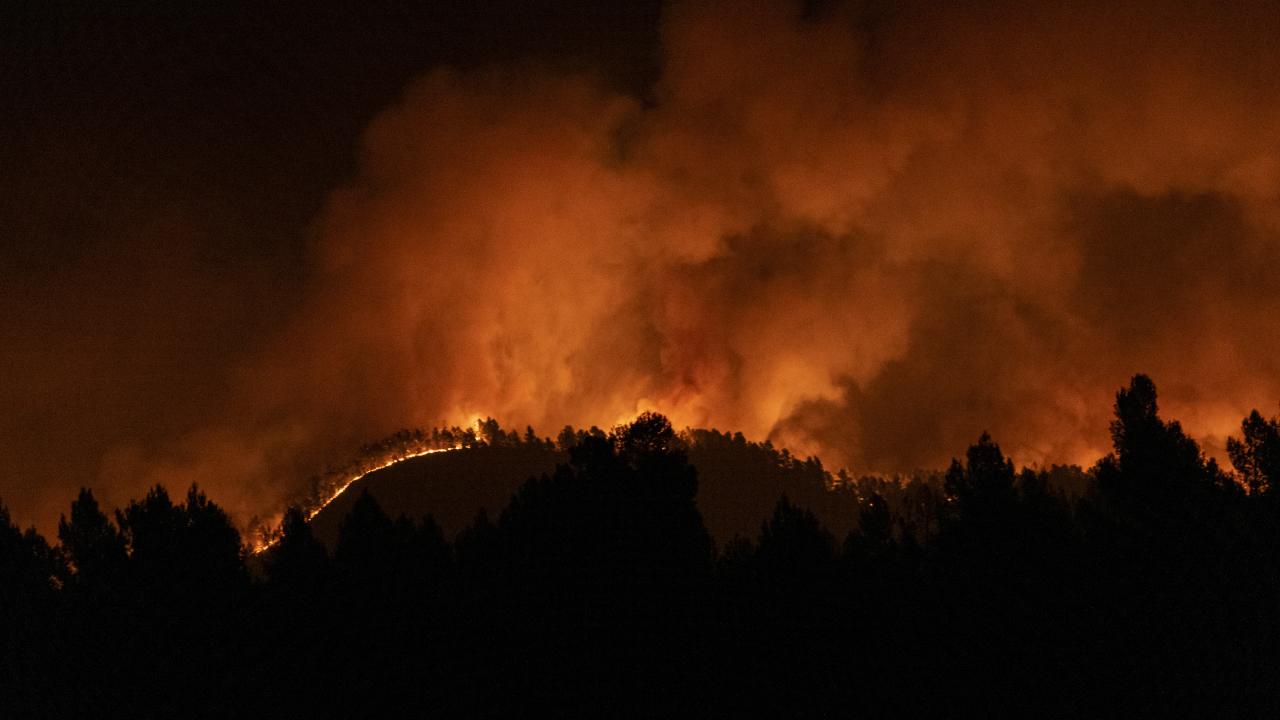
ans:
(269, 541)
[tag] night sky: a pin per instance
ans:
(237, 241)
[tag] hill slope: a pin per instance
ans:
(738, 484)
(452, 486)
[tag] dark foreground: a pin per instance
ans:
(598, 591)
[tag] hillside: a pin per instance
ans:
(451, 486)
(738, 484)
(598, 587)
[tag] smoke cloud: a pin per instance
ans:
(863, 231)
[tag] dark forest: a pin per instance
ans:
(1147, 584)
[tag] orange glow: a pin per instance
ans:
(266, 543)
(865, 236)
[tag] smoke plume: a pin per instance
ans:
(864, 231)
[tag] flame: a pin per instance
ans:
(263, 544)
(837, 236)
(268, 539)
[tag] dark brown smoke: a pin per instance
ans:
(868, 231)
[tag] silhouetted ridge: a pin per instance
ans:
(739, 480)
(1146, 586)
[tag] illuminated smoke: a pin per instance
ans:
(870, 233)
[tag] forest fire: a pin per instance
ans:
(851, 261)
(867, 234)
(875, 293)
(269, 537)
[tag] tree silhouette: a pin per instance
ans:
(623, 503)
(566, 439)
(981, 491)
(648, 437)
(29, 572)
(430, 555)
(874, 536)
(1156, 473)
(793, 544)
(29, 568)
(739, 483)
(298, 561)
(152, 528)
(479, 551)
(210, 542)
(1146, 585)
(1256, 456)
(192, 548)
(92, 544)
(367, 543)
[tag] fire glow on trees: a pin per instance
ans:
(270, 536)
(399, 447)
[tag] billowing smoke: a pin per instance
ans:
(866, 231)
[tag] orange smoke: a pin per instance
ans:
(868, 232)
